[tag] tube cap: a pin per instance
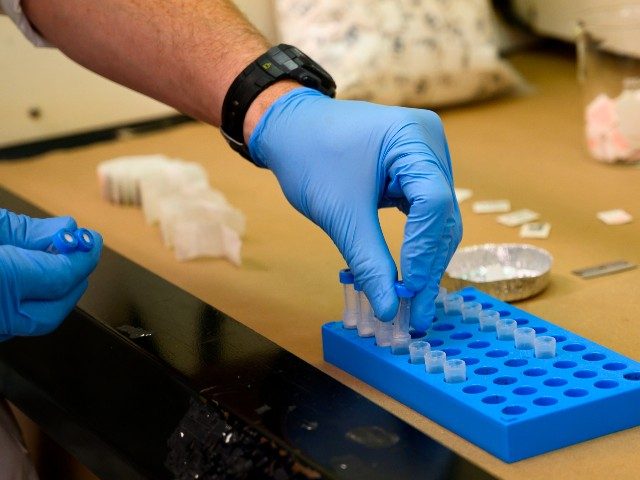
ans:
(346, 276)
(64, 241)
(85, 239)
(402, 291)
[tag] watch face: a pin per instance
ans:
(284, 61)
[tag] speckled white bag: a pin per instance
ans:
(401, 52)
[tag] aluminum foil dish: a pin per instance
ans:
(508, 271)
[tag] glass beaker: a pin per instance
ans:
(608, 51)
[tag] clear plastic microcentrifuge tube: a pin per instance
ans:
(366, 320)
(470, 312)
(524, 338)
(63, 241)
(442, 292)
(383, 332)
(488, 319)
(505, 328)
(455, 371)
(351, 310)
(453, 304)
(401, 323)
(85, 239)
(417, 350)
(434, 361)
(545, 346)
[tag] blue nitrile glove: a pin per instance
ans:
(339, 161)
(38, 289)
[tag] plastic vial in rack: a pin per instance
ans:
(455, 371)
(442, 292)
(417, 350)
(453, 304)
(383, 333)
(524, 338)
(545, 346)
(471, 311)
(488, 319)
(351, 301)
(505, 328)
(434, 361)
(401, 337)
(366, 320)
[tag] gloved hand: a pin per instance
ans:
(339, 161)
(38, 289)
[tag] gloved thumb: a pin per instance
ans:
(366, 252)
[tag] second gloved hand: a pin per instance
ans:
(38, 289)
(339, 161)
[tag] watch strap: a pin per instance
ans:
(278, 63)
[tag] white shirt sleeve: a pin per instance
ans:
(14, 10)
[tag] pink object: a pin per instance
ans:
(601, 114)
(605, 140)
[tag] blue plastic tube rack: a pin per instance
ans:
(512, 404)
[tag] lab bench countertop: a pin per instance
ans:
(528, 149)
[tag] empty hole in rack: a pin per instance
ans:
(584, 374)
(415, 334)
(486, 370)
(555, 382)
(497, 353)
(594, 357)
(470, 361)
(451, 352)
(514, 410)
(504, 313)
(460, 336)
(516, 362)
(565, 364)
(526, 390)
(606, 384)
(486, 306)
(559, 338)
(574, 347)
(540, 330)
(535, 372)
(468, 298)
(545, 401)
(614, 366)
(576, 392)
(494, 399)
(633, 376)
(479, 344)
(522, 321)
(505, 380)
(434, 342)
(474, 389)
(443, 327)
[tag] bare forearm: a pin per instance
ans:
(184, 53)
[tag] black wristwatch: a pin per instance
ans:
(278, 63)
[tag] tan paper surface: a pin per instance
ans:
(527, 149)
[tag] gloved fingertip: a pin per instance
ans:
(415, 283)
(422, 311)
(385, 307)
(43, 317)
(66, 222)
(422, 323)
